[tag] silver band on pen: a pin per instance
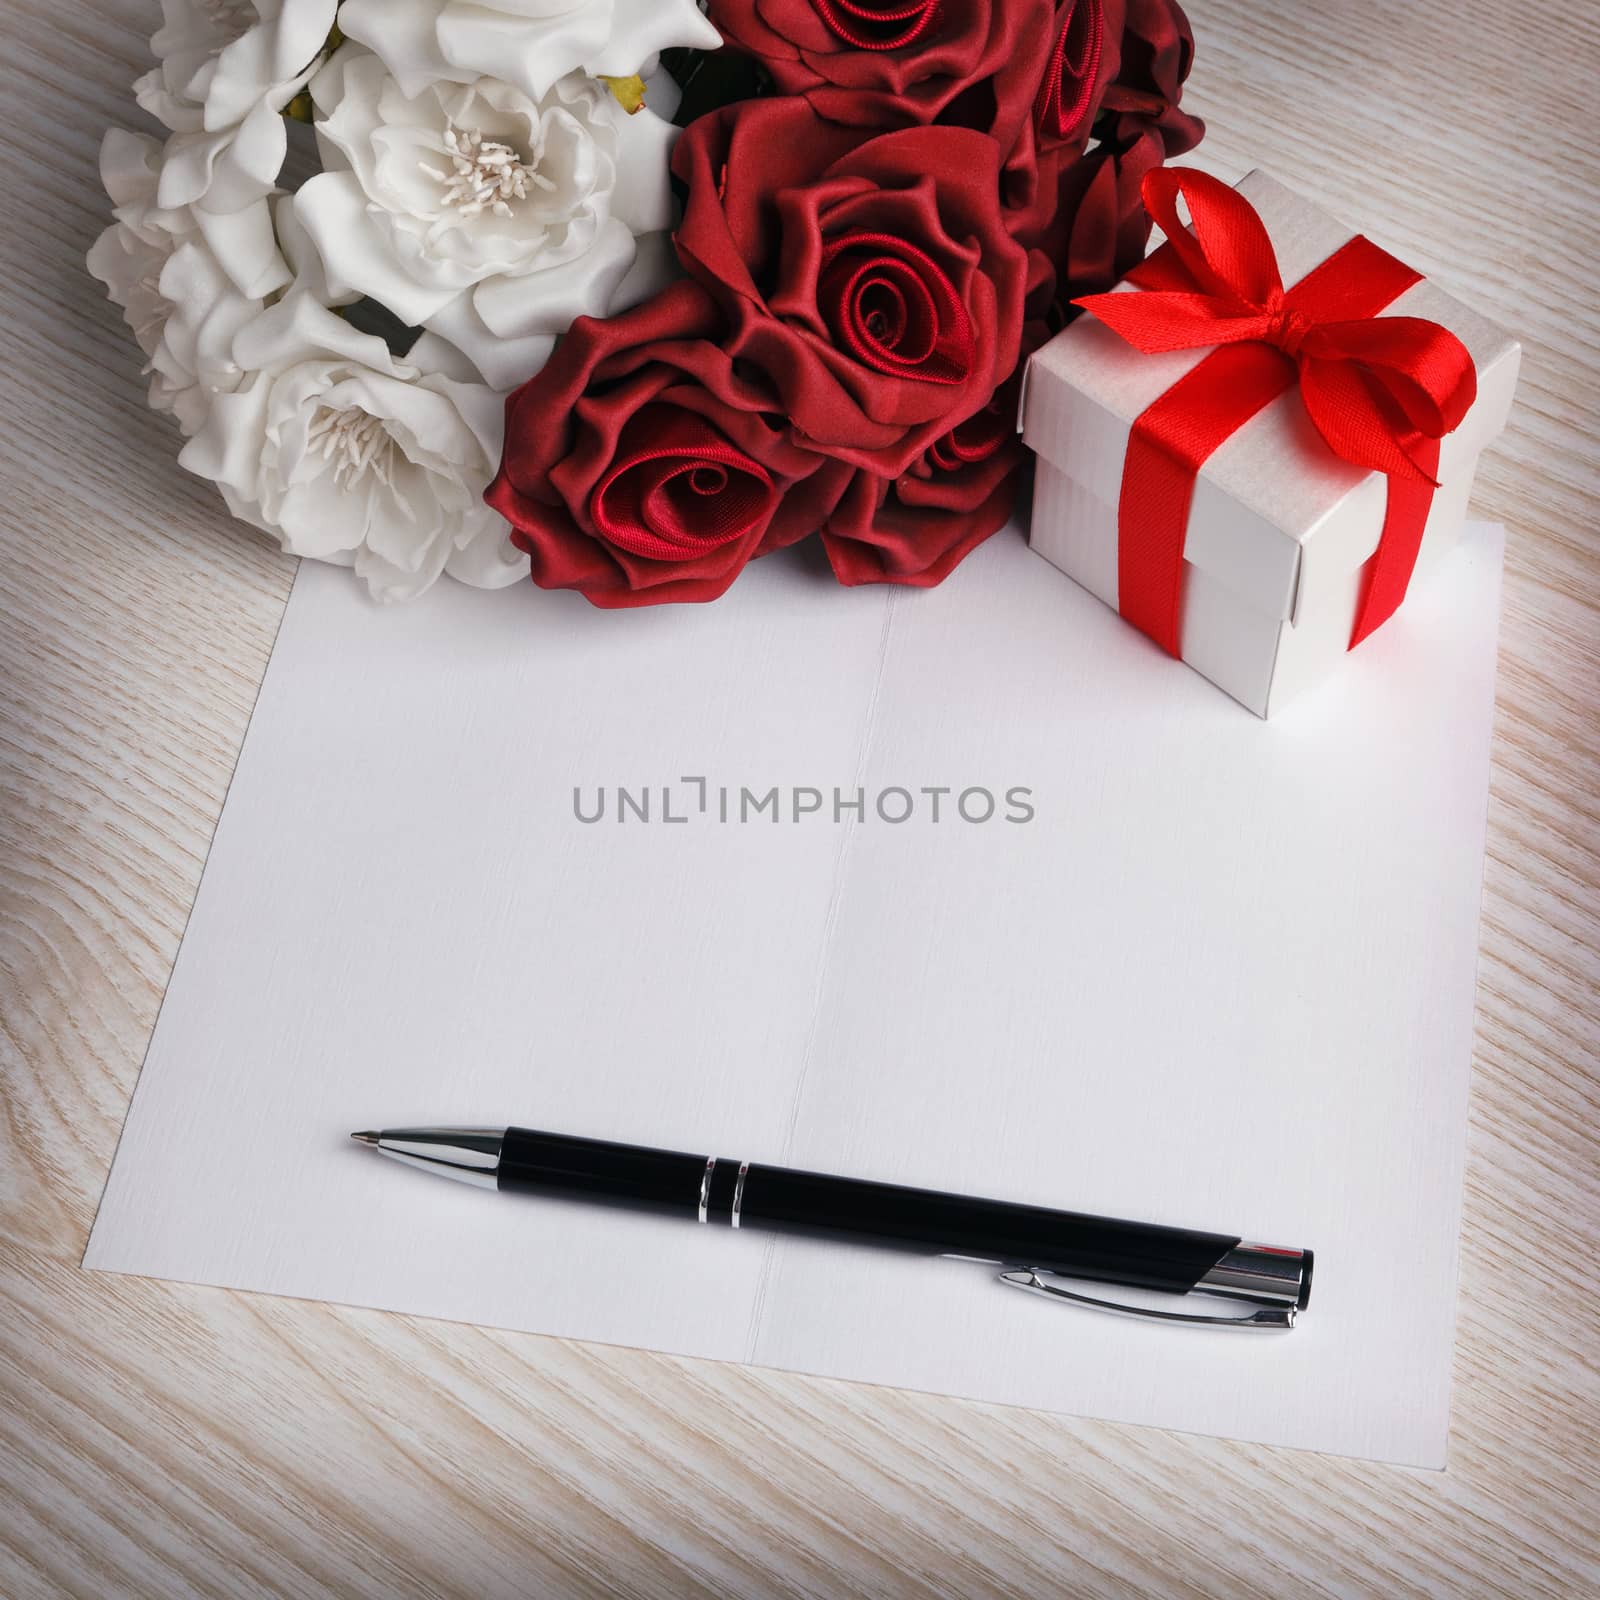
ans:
(705, 1187)
(738, 1191)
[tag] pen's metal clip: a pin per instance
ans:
(1033, 1281)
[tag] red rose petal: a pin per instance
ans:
(1072, 77)
(891, 305)
(891, 26)
(677, 488)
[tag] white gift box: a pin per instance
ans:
(1281, 531)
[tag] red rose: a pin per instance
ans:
(1088, 227)
(916, 529)
(894, 63)
(871, 282)
(1082, 56)
(1120, 57)
(1078, 210)
(1155, 51)
(1116, 70)
(639, 468)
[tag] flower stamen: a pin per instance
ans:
(355, 441)
(485, 174)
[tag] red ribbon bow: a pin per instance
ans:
(1382, 391)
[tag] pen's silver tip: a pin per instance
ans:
(365, 1138)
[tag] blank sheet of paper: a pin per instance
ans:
(1223, 977)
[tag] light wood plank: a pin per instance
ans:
(163, 1440)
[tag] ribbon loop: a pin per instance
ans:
(1381, 391)
(1229, 252)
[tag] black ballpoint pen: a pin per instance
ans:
(1033, 1245)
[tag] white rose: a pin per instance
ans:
(227, 69)
(471, 209)
(348, 455)
(159, 266)
(529, 43)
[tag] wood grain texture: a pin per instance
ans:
(164, 1440)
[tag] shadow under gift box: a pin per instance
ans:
(1281, 531)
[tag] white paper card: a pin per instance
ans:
(1223, 978)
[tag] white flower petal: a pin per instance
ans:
(207, 314)
(655, 266)
(482, 409)
(169, 109)
(187, 166)
(297, 330)
(488, 560)
(301, 254)
(227, 449)
(502, 362)
(547, 302)
(390, 584)
(114, 258)
(641, 29)
(437, 357)
(532, 55)
(662, 94)
(250, 156)
(321, 519)
(244, 243)
(642, 197)
(405, 34)
(130, 166)
(354, 252)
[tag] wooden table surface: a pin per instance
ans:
(159, 1440)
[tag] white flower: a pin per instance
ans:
(492, 218)
(348, 455)
(529, 43)
(227, 69)
(160, 267)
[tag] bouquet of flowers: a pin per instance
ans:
(622, 294)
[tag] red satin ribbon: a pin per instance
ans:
(1382, 391)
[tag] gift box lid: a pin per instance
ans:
(1274, 500)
